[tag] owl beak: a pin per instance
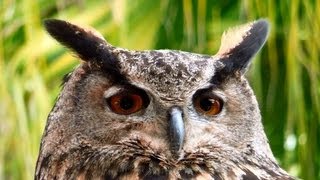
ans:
(176, 129)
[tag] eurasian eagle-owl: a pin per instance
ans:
(157, 114)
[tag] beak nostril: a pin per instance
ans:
(176, 129)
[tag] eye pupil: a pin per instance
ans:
(126, 103)
(205, 104)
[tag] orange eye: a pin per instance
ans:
(126, 103)
(208, 105)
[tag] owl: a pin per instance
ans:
(157, 114)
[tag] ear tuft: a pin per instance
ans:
(240, 44)
(88, 44)
(251, 35)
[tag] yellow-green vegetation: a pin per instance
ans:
(285, 75)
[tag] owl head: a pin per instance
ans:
(156, 113)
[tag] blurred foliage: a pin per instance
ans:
(285, 75)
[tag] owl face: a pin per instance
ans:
(185, 82)
(157, 113)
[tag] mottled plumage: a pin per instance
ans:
(157, 114)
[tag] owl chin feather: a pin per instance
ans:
(134, 159)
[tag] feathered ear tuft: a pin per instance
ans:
(240, 44)
(88, 44)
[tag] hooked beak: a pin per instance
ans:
(176, 129)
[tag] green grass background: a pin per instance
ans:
(285, 75)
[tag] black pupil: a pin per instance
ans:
(126, 103)
(205, 104)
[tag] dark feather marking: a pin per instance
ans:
(249, 175)
(108, 177)
(216, 176)
(190, 173)
(146, 173)
(44, 165)
(65, 78)
(156, 177)
(186, 174)
(45, 161)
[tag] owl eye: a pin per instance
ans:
(126, 103)
(208, 105)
